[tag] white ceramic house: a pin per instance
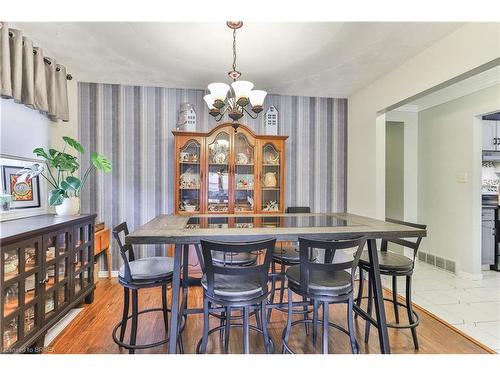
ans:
(271, 126)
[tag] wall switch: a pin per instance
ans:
(463, 177)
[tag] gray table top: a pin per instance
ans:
(171, 229)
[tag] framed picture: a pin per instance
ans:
(25, 194)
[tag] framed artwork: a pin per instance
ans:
(25, 194)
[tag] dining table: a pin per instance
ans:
(183, 231)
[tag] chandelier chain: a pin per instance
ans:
(234, 50)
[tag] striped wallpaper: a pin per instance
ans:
(132, 126)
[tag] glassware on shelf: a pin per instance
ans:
(49, 303)
(61, 296)
(218, 150)
(62, 269)
(11, 299)
(10, 334)
(51, 276)
(29, 319)
(29, 288)
(11, 264)
(30, 258)
(61, 243)
(50, 252)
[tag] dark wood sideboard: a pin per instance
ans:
(47, 268)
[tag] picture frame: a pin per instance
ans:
(26, 195)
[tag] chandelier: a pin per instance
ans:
(234, 98)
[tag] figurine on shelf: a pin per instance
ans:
(270, 179)
(271, 206)
(241, 159)
(250, 202)
(189, 180)
(270, 158)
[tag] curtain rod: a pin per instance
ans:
(69, 77)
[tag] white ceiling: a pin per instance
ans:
(317, 59)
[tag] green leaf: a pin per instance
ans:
(41, 152)
(75, 144)
(56, 197)
(74, 182)
(53, 152)
(100, 162)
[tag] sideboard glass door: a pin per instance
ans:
(244, 173)
(218, 173)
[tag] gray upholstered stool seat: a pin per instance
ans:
(388, 261)
(233, 258)
(233, 286)
(150, 268)
(337, 282)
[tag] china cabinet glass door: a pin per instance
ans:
(21, 286)
(244, 162)
(270, 178)
(190, 176)
(218, 173)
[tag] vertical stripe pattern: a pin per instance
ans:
(132, 126)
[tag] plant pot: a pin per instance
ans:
(69, 206)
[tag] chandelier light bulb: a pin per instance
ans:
(242, 91)
(257, 97)
(219, 92)
(209, 99)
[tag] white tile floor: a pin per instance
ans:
(471, 306)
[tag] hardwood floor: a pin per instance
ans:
(90, 332)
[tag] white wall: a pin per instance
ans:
(449, 149)
(21, 129)
(467, 48)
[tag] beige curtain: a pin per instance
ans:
(31, 78)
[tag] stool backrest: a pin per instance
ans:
(121, 230)
(330, 264)
(412, 243)
(298, 210)
(256, 272)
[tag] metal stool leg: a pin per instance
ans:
(246, 343)
(282, 283)
(350, 325)
(369, 310)
(395, 297)
(222, 323)
(273, 288)
(164, 306)
(409, 309)
(306, 315)
(325, 327)
(126, 303)
(204, 340)
(257, 319)
(135, 311)
(227, 330)
(264, 327)
(315, 320)
(359, 298)
(289, 321)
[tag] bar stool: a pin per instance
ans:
(137, 274)
(394, 265)
(233, 287)
(286, 255)
(324, 283)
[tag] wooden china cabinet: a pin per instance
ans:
(227, 171)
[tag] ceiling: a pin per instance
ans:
(333, 59)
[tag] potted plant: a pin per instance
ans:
(59, 173)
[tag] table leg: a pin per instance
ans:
(174, 316)
(379, 298)
(185, 276)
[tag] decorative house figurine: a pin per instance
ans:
(187, 118)
(272, 121)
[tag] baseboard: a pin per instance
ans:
(104, 274)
